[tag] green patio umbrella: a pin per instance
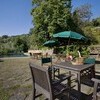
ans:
(70, 34)
(51, 43)
(70, 37)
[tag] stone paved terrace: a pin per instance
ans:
(15, 78)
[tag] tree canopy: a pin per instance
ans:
(51, 16)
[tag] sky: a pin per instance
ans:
(95, 6)
(15, 18)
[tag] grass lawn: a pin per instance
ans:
(15, 79)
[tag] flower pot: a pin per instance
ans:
(78, 61)
(68, 58)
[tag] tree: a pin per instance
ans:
(81, 16)
(84, 12)
(5, 36)
(21, 44)
(96, 22)
(77, 24)
(51, 16)
(90, 34)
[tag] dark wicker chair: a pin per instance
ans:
(90, 73)
(47, 61)
(76, 95)
(42, 82)
(96, 90)
(89, 78)
(54, 70)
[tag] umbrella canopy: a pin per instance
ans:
(51, 43)
(70, 34)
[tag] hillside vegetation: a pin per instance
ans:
(56, 17)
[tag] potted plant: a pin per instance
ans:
(68, 54)
(79, 55)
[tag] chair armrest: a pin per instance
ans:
(96, 80)
(65, 87)
(55, 82)
(63, 76)
(61, 88)
(97, 72)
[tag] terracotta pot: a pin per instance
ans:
(68, 57)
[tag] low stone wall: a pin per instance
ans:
(95, 51)
(40, 52)
(31, 52)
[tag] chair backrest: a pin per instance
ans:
(46, 60)
(96, 83)
(89, 73)
(41, 79)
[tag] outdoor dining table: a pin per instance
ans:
(77, 68)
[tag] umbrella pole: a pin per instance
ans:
(68, 47)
